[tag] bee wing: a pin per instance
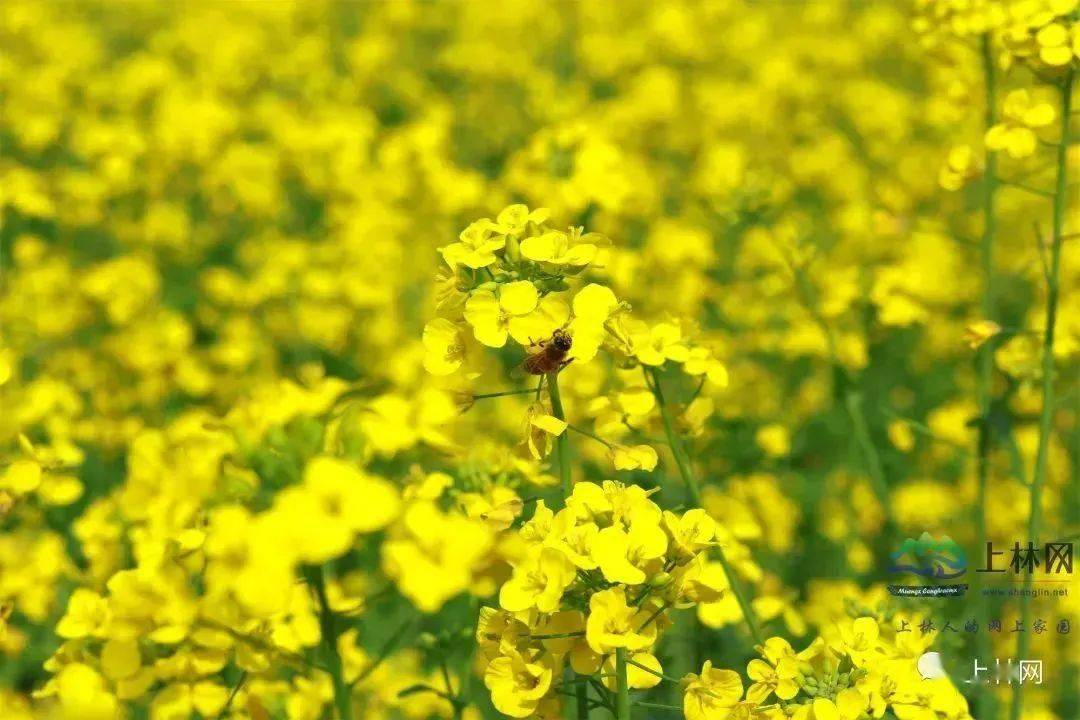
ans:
(520, 371)
(534, 364)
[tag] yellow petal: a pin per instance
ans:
(172, 702)
(79, 687)
(439, 332)
(609, 550)
(584, 660)
(1043, 114)
(22, 476)
(518, 298)
(1016, 103)
(588, 337)
(549, 424)
(960, 158)
(634, 457)
(996, 137)
(759, 670)
(208, 698)
(868, 628)
(1021, 143)
(542, 248)
(1056, 56)
(647, 540)
(60, 489)
(580, 255)
(483, 314)
(595, 301)
(640, 679)
(376, 504)
(1052, 35)
(850, 702)
(666, 334)
(825, 710)
(515, 596)
(718, 374)
(513, 215)
(637, 401)
(548, 316)
(7, 365)
(120, 659)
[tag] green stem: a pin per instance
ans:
(686, 470)
(562, 446)
(657, 706)
(601, 692)
(1027, 188)
(984, 378)
(622, 687)
(467, 673)
(1071, 506)
(649, 670)
(232, 696)
(581, 692)
(562, 452)
(384, 652)
(923, 429)
(678, 450)
(455, 701)
(852, 400)
(853, 403)
(586, 433)
(655, 614)
(553, 636)
(1046, 419)
(295, 659)
(504, 393)
(330, 634)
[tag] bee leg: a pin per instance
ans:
(539, 387)
(564, 363)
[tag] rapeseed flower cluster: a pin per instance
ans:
(859, 672)
(594, 584)
(596, 581)
(757, 291)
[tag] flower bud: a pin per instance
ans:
(660, 579)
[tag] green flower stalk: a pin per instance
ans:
(330, 633)
(984, 378)
(686, 471)
(622, 687)
(580, 707)
(1046, 418)
(562, 446)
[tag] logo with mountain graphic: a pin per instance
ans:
(930, 557)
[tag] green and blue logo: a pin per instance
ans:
(930, 557)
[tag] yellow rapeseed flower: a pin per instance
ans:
(538, 581)
(612, 623)
(711, 693)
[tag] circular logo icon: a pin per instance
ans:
(930, 666)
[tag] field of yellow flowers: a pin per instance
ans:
(407, 360)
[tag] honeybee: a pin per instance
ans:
(551, 355)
